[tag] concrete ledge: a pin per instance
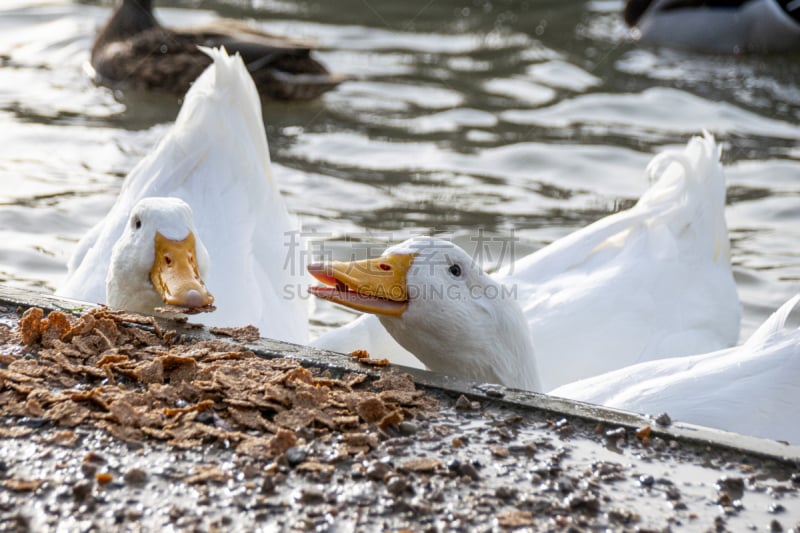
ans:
(553, 407)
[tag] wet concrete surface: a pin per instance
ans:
(485, 459)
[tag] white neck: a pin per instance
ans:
(489, 341)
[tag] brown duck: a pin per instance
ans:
(134, 51)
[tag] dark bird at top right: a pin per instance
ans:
(718, 26)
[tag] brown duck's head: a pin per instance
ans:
(131, 17)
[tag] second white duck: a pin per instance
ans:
(651, 282)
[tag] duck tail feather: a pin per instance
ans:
(774, 324)
(690, 187)
(227, 89)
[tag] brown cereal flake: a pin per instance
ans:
(248, 333)
(391, 419)
(369, 361)
(515, 519)
(371, 409)
(359, 354)
(282, 441)
(30, 326)
(395, 382)
(207, 473)
(23, 485)
(14, 432)
(102, 371)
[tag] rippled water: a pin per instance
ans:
(531, 117)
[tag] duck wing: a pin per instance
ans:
(282, 68)
(650, 282)
(751, 389)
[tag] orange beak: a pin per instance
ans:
(375, 286)
(175, 274)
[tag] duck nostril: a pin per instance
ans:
(167, 260)
(384, 266)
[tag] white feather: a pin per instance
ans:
(751, 389)
(650, 282)
(216, 159)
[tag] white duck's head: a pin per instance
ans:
(441, 306)
(158, 259)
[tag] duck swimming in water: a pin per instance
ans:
(650, 282)
(134, 51)
(718, 26)
(216, 159)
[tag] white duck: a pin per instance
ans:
(751, 389)
(159, 259)
(215, 158)
(650, 282)
(438, 304)
(741, 26)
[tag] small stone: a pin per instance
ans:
(378, 470)
(646, 481)
(356, 471)
(396, 485)
(735, 484)
(269, 484)
(776, 508)
(407, 428)
(622, 516)
(663, 419)
(135, 476)
(659, 444)
(505, 493)
(94, 457)
(81, 490)
(312, 495)
(775, 526)
(295, 455)
(469, 470)
(463, 403)
(205, 417)
(88, 469)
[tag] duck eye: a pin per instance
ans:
(137, 222)
(455, 270)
